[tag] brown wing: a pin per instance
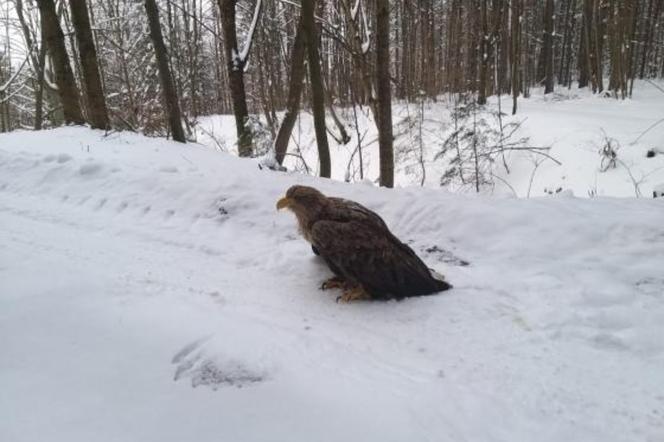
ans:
(347, 210)
(368, 254)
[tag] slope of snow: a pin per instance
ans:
(149, 291)
(573, 123)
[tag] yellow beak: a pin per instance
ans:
(283, 202)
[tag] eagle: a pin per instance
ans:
(367, 260)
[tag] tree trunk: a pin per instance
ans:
(38, 63)
(39, 90)
(384, 99)
(97, 113)
(236, 77)
(55, 41)
(568, 62)
(407, 56)
(650, 24)
(167, 86)
(567, 36)
(484, 54)
(515, 51)
(585, 45)
(546, 60)
(295, 86)
(599, 32)
(317, 91)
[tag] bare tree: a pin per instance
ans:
(317, 88)
(545, 67)
(295, 87)
(97, 113)
(169, 93)
(515, 54)
(55, 41)
(384, 117)
(485, 51)
(236, 61)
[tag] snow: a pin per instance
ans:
(150, 291)
(573, 123)
(356, 8)
(241, 59)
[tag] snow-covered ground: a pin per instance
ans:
(149, 291)
(573, 123)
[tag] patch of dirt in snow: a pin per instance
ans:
(445, 256)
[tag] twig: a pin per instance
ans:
(536, 150)
(652, 126)
(220, 146)
(506, 183)
(656, 86)
(636, 184)
(532, 176)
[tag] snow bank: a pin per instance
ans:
(150, 291)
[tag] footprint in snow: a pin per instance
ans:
(651, 286)
(211, 372)
(90, 169)
(63, 158)
(168, 169)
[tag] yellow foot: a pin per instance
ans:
(353, 294)
(333, 283)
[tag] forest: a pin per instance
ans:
(156, 67)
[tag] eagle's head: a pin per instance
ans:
(306, 203)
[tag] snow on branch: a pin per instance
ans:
(10, 96)
(241, 58)
(11, 79)
(366, 38)
(356, 7)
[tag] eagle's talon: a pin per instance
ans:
(353, 294)
(333, 283)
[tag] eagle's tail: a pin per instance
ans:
(439, 281)
(424, 283)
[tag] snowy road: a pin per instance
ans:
(157, 296)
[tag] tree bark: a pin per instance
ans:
(236, 77)
(97, 112)
(64, 77)
(37, 61)
(583, 59)
(515, 51)
(484, 53)
(317, 91)
(650, 24)
(545, 70)
(169, 93)
(39, 90)
(384, 99)
(295, 86)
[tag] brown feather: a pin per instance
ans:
(358, 246)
